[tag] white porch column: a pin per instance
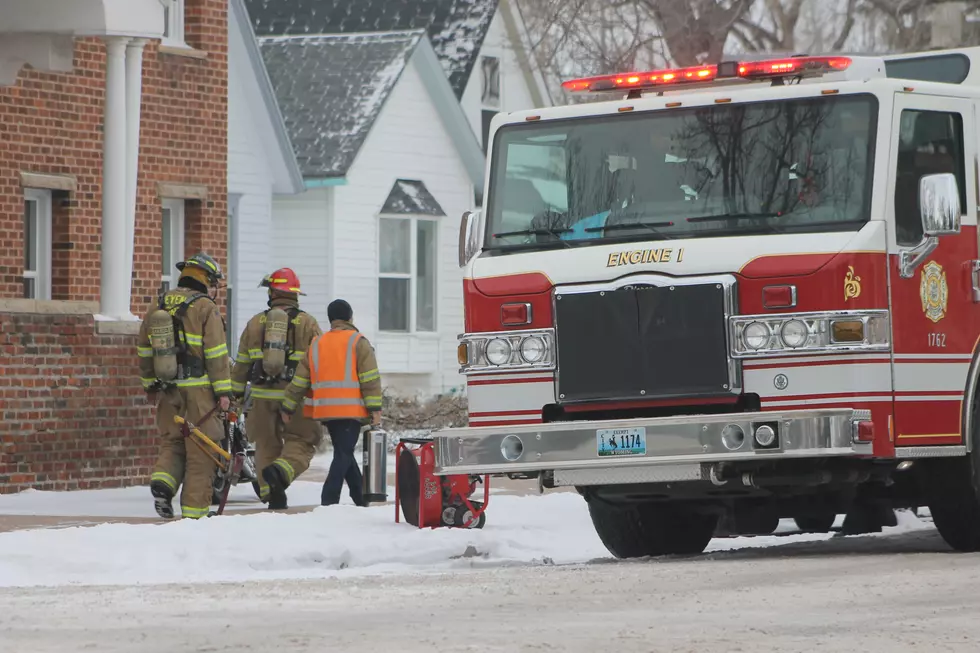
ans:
(134, 96)
(116, 286)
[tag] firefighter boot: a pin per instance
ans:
(161, 499)
(274, 476)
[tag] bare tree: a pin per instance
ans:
(695, 31)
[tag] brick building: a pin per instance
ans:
(79, 258)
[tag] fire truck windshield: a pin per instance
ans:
(784, 166)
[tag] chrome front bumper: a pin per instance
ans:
(676, 447)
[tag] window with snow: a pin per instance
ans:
(37, 244)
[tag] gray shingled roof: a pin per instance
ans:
(456, 28)
(411, 197)
(331, 89)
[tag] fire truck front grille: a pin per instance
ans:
(650, 338)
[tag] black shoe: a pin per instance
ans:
(161, 499)
(277, 487)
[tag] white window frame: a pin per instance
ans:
(173, 34)
(500, 83)
(177, 210)
(231, 272)
(42, 245)
(412, 274)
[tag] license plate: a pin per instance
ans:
(621, 442)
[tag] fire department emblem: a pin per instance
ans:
(852, 284)
(934, 291)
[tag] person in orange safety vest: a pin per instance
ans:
(342, 388)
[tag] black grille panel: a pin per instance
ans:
(642, 342)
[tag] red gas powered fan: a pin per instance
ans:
(430, 501)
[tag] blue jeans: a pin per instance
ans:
(344, 434)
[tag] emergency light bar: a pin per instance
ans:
(747, 70)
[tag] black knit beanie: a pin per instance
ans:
(339, 310)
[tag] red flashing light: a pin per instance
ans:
(865, 432)
(779, 296)
(515, 314)
(749, 70)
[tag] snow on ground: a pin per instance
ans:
(325, 542)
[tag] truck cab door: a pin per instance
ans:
(934, 307)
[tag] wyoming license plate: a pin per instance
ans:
(621, 442)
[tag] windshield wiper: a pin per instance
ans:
(652, 226)
(533, 232)
(735, 216)
(538, 232)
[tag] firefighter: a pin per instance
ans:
(184, 367)
(272, 344)
(342, 371)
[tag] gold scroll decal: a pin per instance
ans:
(639, 256)
(852, 284)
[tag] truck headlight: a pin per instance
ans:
(794, 333)
(806, 333)
(499, 351)
(756, 335)
(533, 349)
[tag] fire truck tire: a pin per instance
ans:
(637, 530)
(952, 489)
(408, 486)
(815, 523)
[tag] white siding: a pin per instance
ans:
(301, 241)
(514, 93)
(408, 141)
(250, 177)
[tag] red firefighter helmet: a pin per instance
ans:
(283, 280)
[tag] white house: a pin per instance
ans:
(261, 165)
(385, 104)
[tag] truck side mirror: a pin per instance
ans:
(469, 237)
(939, 205)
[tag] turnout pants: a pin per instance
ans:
(344, 433)
(180, 461)
(290, 447)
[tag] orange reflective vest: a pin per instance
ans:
(335, 392)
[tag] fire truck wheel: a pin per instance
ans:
(636, 530)
(408, 486)
(952, 490)
(464, 514)
(815, 523)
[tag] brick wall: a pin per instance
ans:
(69, 395)
(71, 416)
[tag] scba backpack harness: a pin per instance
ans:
(171, 358)
(278, 345)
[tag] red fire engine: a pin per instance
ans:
(732, 294)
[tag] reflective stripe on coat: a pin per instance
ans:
(335, 391)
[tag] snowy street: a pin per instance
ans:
(536, 577)
(896, 592)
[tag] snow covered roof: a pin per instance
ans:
(331, 88)
(456, 28)
(410, 197)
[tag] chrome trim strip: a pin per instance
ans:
(930, 452)
(812, 433)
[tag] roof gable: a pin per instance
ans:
(331, 89)
(456, 28)
(287, 174)
(411, 197)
